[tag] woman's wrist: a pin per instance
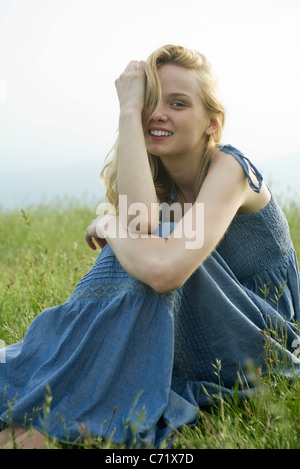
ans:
(110, 226)
(130, 111)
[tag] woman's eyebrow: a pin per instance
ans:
(175, 95)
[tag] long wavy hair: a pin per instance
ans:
(209, 94)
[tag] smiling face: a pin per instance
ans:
(179, 126)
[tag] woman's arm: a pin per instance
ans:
(134, 176)
(166, 264)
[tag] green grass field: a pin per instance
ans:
(43, 256)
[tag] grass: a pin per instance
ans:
(267, 420)
(43, 256)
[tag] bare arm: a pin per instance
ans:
(134, 175)
(167, 264)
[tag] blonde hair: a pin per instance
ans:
(208, 92)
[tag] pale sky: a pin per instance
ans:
(59, 60)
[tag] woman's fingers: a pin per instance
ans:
(136, 65)
(91, 235)
(131, 85)
(133, 65)
(90, 241)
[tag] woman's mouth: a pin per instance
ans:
(160, 133)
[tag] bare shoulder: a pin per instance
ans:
(226, 165)
(227, 168)
(224, 158)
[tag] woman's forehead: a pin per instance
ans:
(176, 80)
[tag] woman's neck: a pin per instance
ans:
(184, 175)
(184, 172)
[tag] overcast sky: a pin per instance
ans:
(59, 60)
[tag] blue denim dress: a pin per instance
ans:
(124, 362)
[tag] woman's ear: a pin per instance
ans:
(212, 126)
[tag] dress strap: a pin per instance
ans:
(248, 167)
(218, 151)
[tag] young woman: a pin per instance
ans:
(197, 270)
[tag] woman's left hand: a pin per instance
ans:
(102, 227)
(91, 234)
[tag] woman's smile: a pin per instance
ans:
(159, 133)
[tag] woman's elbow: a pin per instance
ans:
(162, 278)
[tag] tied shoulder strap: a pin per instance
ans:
(248, 167)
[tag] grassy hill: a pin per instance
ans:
(43, 256)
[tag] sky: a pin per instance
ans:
(59, 60)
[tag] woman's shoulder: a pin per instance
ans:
(254, 176)
(222, 150)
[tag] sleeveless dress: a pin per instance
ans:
(121, 361)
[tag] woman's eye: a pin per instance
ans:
(177, 104)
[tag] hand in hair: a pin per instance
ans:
(131, 87)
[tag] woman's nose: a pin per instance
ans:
(159, 114)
